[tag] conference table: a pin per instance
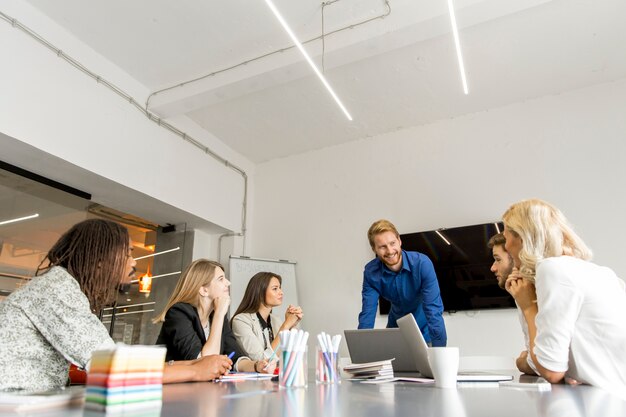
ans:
(252, 398)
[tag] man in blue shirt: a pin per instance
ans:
(406, 279)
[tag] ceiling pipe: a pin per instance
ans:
(151, 116)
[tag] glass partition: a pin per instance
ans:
(35, 212)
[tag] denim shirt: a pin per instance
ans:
(413, 289)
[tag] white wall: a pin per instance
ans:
(315, 208)
(47, 103)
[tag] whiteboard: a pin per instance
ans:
(242, 268)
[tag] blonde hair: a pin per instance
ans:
(198, 274)
(545, 233)
(378, 227)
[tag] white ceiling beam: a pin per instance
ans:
(410, 22)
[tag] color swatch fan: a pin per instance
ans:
(126, 377)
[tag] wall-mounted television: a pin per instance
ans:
(462, 261)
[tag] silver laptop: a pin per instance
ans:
(373, 345)
(419, 351)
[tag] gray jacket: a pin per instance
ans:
(254, 342)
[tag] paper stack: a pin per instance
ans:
(381, 370)
(27, 401)
(240, 376)
(125, 378)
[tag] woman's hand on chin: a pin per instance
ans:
(221, 305)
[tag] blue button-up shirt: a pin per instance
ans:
(413, 289)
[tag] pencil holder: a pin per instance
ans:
(326, 367)
(293, 369)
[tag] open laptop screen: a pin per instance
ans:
(373, 345)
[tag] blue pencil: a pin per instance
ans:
(271, 357)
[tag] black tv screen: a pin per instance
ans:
(462, 266)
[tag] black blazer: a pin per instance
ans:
(183, 335)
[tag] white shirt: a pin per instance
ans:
(581, 323)
(524, 325)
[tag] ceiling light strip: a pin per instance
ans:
(158, 253)
(104, 316)
(278, 51)
(307, 57)
(457, 42)
(128, 306)
(134, 281)
(19, 219)
(442, 237)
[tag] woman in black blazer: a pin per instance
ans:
(194, 319)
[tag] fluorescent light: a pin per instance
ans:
(19, 219)
(125, 314)
(459, 55)
(443, 237)
(307, 57)
(128, 306)
(134, 281)
(157, 254)
(497, 227)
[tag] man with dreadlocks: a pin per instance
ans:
(52, 322)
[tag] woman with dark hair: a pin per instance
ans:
(194, 319)
(254, 325)
(52, 321)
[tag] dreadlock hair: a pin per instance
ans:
(94, 252)
(254, 296)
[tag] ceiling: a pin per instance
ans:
(391, 73)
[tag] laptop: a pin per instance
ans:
(373, 345)
(419, 351)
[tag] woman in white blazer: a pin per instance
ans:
(255, 327)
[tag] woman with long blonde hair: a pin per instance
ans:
(194, 319)
(574, 309)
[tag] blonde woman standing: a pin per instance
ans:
(574, 309)
(194, 319)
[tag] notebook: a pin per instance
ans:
(374, 345)
(419, 351)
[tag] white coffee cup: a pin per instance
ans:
(444, 362)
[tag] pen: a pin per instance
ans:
(270, 359)
(231, 354)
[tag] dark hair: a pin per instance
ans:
(496, 240)
(94, 252)
(255, 292)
